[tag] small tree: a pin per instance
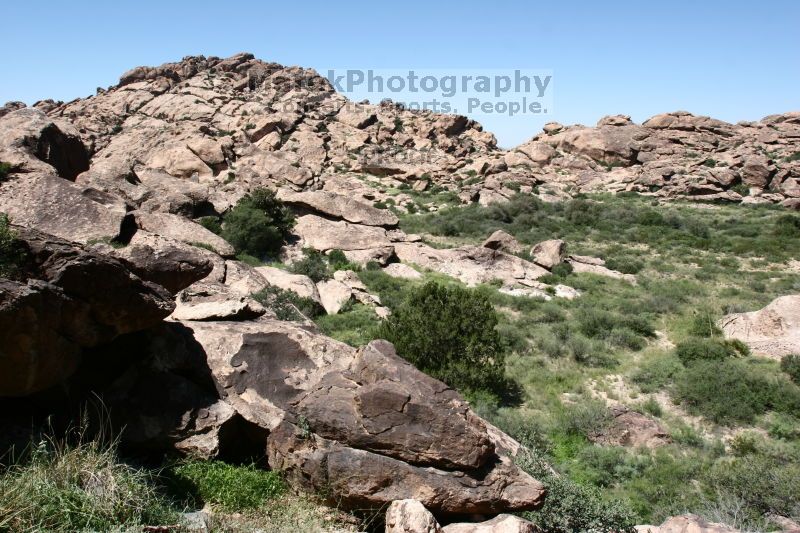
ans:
(450, 333)
(259, 224)
(12, 254)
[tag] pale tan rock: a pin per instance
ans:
(688, 523)
(339, 206)
(500, 240)
(299, 284)
(503, 523)
(323, 234)
(549, 253)
(399, 270)
(334, 295)
(410, 516)
(184, 230)
(773, 331)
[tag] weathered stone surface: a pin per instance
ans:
(688, 523)
(503, 523)
(593, 266)
(334, 295)
(471, 264)
(323, 235)
(631, 429)
(203, 301)
(549, 253)
(70, 299)
(297, 283)
(385, 405)
(339, 206)
(500, 240)
(55, 206)
(184, 230)
(165, 262)
(410, 516)
(773, 331)
(399, 270)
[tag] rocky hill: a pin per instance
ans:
(117, 279)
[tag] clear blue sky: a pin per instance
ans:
(730, 59)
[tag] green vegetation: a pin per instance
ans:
(288, 305)
(5, 170)
(12, 254)
(654, 346)
(314, 265)
(82, 487)
(791, 365)
(224, 486)
(449, 333)
(258, 224)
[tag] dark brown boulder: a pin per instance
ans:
(66, 299)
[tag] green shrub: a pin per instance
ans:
(227, 487)
(312, 265)
(698, 349)
(258, 224)
(730, 391)
(355, 326)
(704, 325)
(12, 253)
(5, 170)
(625, 331)
(570, 507)
(656, 374)
(78, 487)
(765, 484)
(791, 365)
(286, 304)
(787, 226)
(585, 419)
(449, 333)
(652, 407)
(212, 224)
(625, 264)
(561, 270)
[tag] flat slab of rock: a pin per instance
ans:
(184, 230)
(688, 523)
(504, 523)
(773, 331)
(399, 270)
(579, 265)
(323, 234)
(631, 429)
(299, 284)
(471, 264)
(339, 206)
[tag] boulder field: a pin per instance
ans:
(120, 291)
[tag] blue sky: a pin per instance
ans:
(733, 60)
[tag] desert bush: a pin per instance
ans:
(355, 326)
(584, 419)
(621, 330)
(787, 226)
(791, 365)
(78, 487)
(699, 349)
(258, 224)
(313, 265)
(231, 488)
(288, 305)
(703, 324)
(730, 391)
(657, 373)
(5, 170)
(449, 333)
(765, 484)
(12, 254)
(625, 264)
(212, 224)
(570, 507)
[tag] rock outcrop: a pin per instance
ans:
(66, 299)
(773, 331)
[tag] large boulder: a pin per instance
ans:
(504, 523)
(184, 230)
(338, 206)
(500, 240)
(549, 253)
(362, 425)
(323, 234)
(687, 523)
(67, 299)
(773, 331)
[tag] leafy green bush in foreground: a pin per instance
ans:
(449, 333)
